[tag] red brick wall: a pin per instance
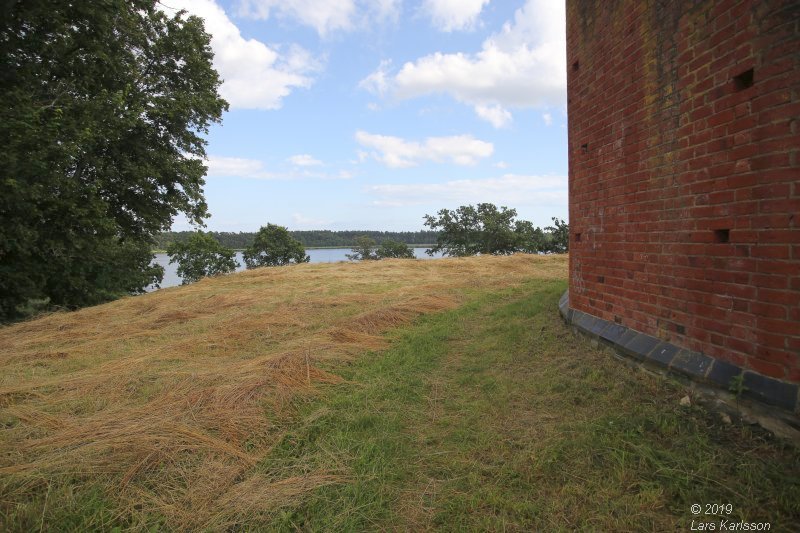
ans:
(684, 180)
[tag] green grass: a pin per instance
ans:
(490, 416)
(495, 417)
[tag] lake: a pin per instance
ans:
(317, 255)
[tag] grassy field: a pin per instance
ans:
(399, 395)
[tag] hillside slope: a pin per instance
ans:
(159, 407)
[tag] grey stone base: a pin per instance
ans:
(696, 366)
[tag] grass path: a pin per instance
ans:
(494, 417)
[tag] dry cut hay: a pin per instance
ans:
(169, 400)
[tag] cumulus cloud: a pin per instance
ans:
(510, 189)
(377, 82)
(397, 152)
(548, 119)
(381, 10)
(494, 114)
(325, 16)
(521, 66)
(450, 15)
(237, 167)
(304, 160)
(255, 75)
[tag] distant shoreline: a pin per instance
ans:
(316, 248)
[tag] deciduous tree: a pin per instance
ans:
(558, 243)
(390, 249)
(201, 255)
(273, 246)
(485, 229)
(102, 115)
(470, 230)
(364, 250)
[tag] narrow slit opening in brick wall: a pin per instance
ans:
(744, 80)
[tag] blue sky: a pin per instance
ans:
(369, 114)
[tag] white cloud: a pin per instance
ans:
(450, 15)
(304, 160)
(255, 75)
(510, 190)
(396, 152)
(494, 114)
(382, 10)
(325, 16)
(548, 119)
(521, 66)
(501, 164)
(237, 167)
(345, 175)
(377, 82)
(362, 156)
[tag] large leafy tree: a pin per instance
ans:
(487, 230)
(530, 239)
(558, 241)
(201, 255)
(390, 249)
(364, 250)
(471, 230)
(273, 246)
(103, 108)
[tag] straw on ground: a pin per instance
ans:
(161, 406)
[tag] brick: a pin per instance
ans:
(771, 251)
(768, 310)
(766, 368)
(678, 152)
(782, 327)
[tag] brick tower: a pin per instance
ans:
(684, 186)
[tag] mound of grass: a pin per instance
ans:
(393, 395)
(154, 411)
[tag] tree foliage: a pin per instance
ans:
(308, 238)
(273, 246)
(558, 241)
(103, 109)
(485, 229)
(200, 256)
(394, 250)
(364, 250)
(471, 230)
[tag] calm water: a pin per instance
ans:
(321, 255)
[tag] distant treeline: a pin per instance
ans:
(315, 238)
